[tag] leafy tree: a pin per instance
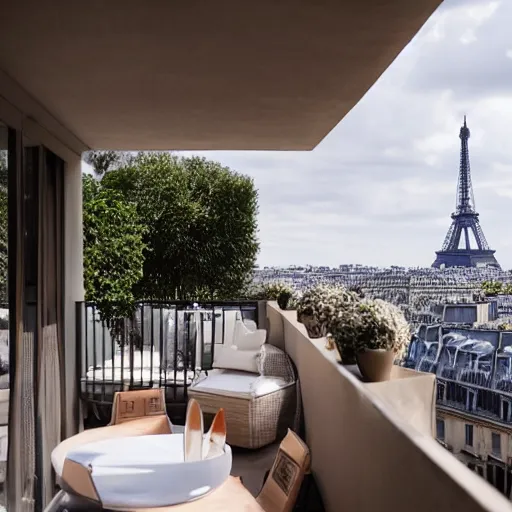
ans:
(201, 225)
(113, 250)
(105, 161)
(3, 167)
(492, 288)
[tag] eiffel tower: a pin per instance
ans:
(458, 249)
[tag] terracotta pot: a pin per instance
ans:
(375, 365)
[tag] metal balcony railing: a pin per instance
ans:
(164, 344)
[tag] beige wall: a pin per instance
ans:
(366, 454)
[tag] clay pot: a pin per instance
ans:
(375, 364)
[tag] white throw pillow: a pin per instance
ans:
(230, 358)
(243, 353)
(245, 339)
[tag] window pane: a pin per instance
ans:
(505, 410)
(496, 444)
(440, 430)
(469, 435)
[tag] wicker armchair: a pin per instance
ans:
(259, 407)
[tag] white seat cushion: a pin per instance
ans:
(145, 471)
(238, 384)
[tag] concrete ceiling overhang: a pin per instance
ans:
(192, 74)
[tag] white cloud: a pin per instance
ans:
(436, 30)
(381, 187)
(468, 37)
(483, 12)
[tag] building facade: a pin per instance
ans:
(474, 394)
(482, 445)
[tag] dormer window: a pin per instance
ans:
(471, 399)
(441, 391)
(505, 409)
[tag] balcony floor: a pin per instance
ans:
(251, 465)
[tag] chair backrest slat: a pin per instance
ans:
(131, 405)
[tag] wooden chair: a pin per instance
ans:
(281, 488)
(133, 405)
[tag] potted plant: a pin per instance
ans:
(284, 298)
(317, 308)
(293, 301)
(372, 333)
(278, 291)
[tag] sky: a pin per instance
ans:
(380, 188)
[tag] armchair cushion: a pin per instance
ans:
(231, 383)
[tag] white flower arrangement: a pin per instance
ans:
(371, 324)
(354, 323)
(317, 307)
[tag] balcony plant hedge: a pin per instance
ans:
(278, 291)
(371, 325)
(318, 306)
(356, 324)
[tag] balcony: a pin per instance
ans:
(372, 444)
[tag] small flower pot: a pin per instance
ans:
(375, 364)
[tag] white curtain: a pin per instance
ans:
(35, 421)
(49, 407)
(21, 466)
